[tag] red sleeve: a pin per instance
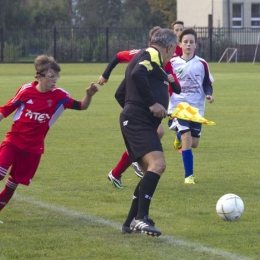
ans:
(126, 56)
(168, 69)
(12, 104)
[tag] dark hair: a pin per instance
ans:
(188, 31)
(177, 22)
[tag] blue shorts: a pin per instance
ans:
(181, 125)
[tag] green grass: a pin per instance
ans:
(70, 211)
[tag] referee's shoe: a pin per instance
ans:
(145, 225)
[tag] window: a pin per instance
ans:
(255, 15)
(237, 15)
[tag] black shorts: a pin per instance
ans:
(139, 130)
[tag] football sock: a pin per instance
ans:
(7, 192)
(147, 188)
(179, 135)
(122, 165)
(187, 158)
(3, 172)
(134, 207)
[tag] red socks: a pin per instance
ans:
(7, 192)
(122, 165)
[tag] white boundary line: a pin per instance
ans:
(167, 239)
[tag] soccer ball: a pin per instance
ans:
(230, 207)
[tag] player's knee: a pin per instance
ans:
(159, 167)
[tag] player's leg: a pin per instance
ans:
(138, 171)
(187, 157)
(132, 212)
(190, 139)
(7, 158)
(7, 193)
(156, 166)
(24, 166)
(115, 174)
(173, 125)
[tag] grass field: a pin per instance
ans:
(71, 211)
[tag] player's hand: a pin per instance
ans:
(92, 89)
(171, 78)
(210, 98)
(158, 110)
(102, 80)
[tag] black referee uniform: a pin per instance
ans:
(145, 84)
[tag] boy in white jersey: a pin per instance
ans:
(195, 80)
(38, 105)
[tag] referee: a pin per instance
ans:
(146, 102)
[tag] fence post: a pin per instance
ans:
(2, 44)
(107, 48)
(55, 43)
(210, 26)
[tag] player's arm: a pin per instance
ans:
(90, 92)
(120, 57)
(106, 74)
(174, 84)
(207, 86)
(11, 105)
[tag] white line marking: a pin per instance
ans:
(167, 239)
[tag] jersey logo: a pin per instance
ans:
(29, 101)
(179, 71)
(41, 118)
(147, 64)
(125, 123)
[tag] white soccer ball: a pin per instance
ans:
(230, 207)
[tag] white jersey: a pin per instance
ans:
(192, 75)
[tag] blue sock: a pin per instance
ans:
(187, 158)
(178, 135)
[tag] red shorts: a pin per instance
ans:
(23, 164)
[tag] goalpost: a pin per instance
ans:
(229, 53)
(256, 47)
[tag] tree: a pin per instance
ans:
(164, 8)
(48, 13)
(97, 13)
(13, 13)
(137, 13)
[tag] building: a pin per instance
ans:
(225, 13)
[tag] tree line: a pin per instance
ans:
(87, 13)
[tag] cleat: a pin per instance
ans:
(177, 144)
(189, 180)
(116, 182)
(145, 225)
(137, 170)
(128, 230)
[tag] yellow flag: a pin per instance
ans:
(186, 112)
